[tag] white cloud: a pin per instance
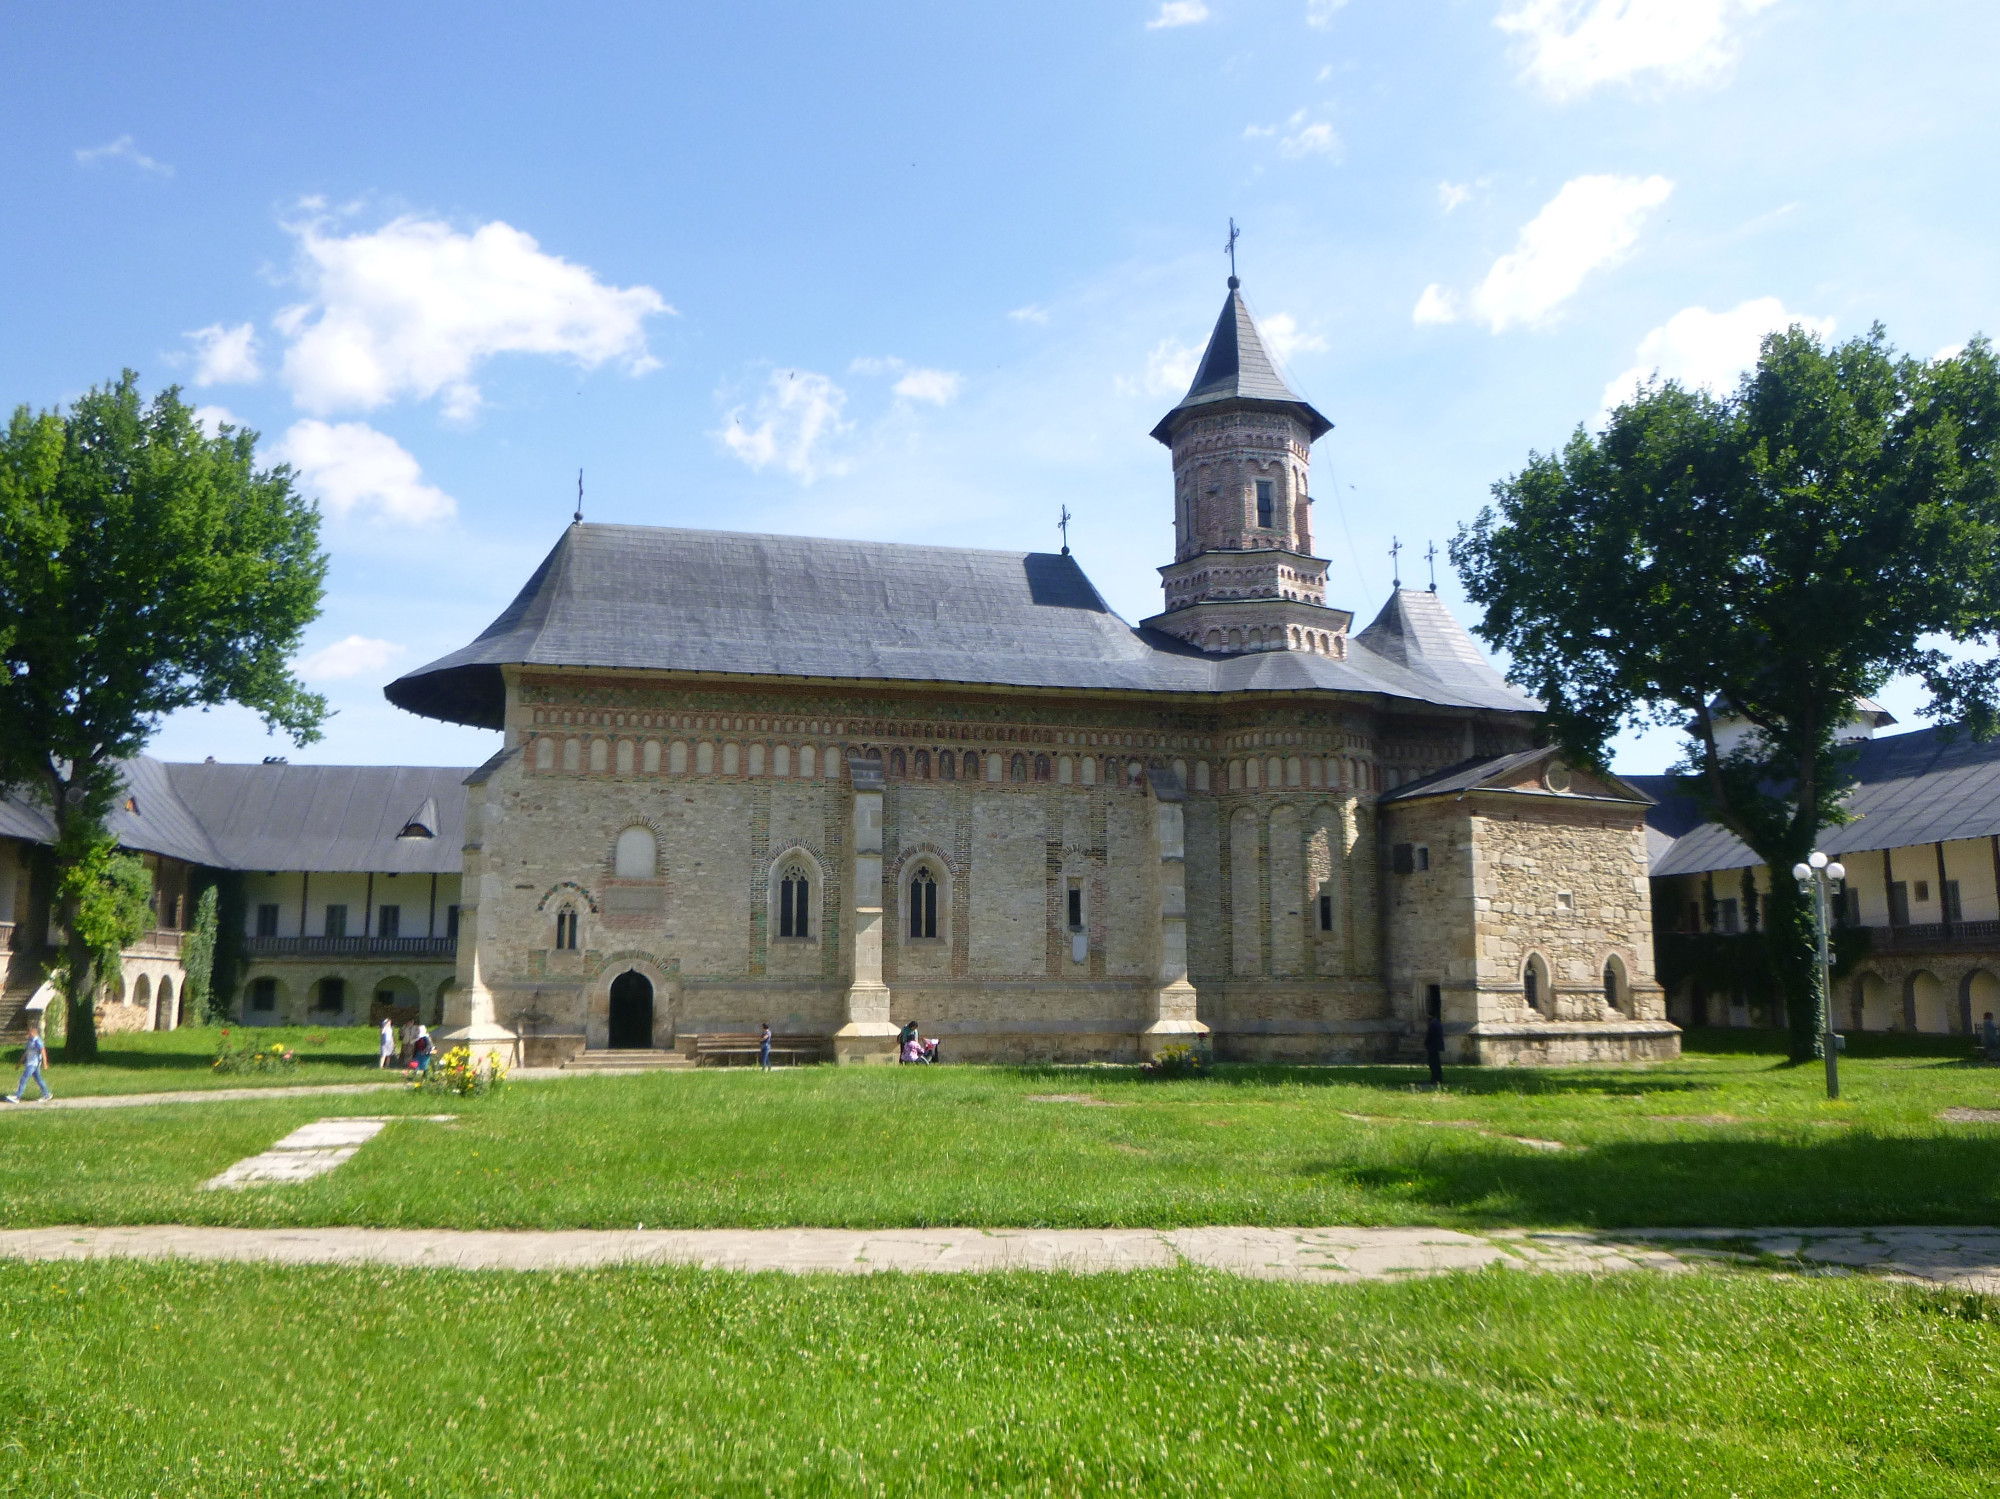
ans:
(1454, 195)
(1311, 140)
(1591, 223)
(225, 356)
(1572, 46)
(796, 416)
(1436, 305)
(1170, 367)
(413, 308)
(1178, 13)
(937, 387)
(123, 149)
(1708, 349)
(1281, 332)
(212, 419)
(1034, 312)
(353, 469)
(356, 656)
(1320, 13)
(1948, 352)
(1259, 132)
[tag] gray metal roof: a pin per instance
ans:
(1929, 786)
(664, 599)
(326, 818)
(147, 815)
(1237, 367)
(1416, 632)
(1482, 771)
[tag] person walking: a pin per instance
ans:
(1434, 1048)
(387, 1055)
(764, 1048)
(34, 1059)
(421, 1049)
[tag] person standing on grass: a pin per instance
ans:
(764, 1048)
(1990, 1034)
(421, 1049)
(35, 1058)
(1434, 1048)
(388, 1051)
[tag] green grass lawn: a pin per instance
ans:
(210, 1379)
(1722, 1139)
(164, 1061)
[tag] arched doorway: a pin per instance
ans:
(631, 1011)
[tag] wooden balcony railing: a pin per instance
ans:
(350, 947)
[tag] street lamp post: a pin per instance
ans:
(1821, 879)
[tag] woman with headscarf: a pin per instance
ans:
(423, 1049)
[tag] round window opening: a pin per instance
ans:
(1556, 777)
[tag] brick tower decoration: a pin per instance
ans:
(1243, 576)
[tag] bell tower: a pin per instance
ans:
(1243, 576)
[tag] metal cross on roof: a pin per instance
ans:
(1430, 556)
(1231, 248)
(1062, 525)
(1396, 559)
(579, 495)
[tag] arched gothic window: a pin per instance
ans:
(923, 903)
(566, 929)
(795, 903)
(1531, 983)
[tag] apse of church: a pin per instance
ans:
(844, 785)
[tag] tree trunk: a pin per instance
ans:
(80, 1000)
(1792, 946)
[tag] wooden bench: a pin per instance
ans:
(745, 1050)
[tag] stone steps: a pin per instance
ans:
(628, 1061)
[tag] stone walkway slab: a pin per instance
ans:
(1967, 1259)
(308, 1151)
(203, 1095)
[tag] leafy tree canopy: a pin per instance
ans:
(145, 566)
(1770, 555)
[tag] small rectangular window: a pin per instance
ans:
(389, 921)
(336, 921)
(1899, 903)
(1264, 503)
(1326, 913)
(1403, 858)
(1423, 858)
(1075, 909)
(1726, 919)
(267, 920)
(1923, 892)
(332, 994)
(451, 923)
(1951, 909)
(263, 994)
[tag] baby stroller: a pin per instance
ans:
(914, 1050)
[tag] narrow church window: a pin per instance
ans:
(756, 759)
(572, 755)
(898, 764)
(1423, 858)
(566, 929)
(1531, 986)
(947, 765)
(598, 752)
(1075, 907)
(1326, 913)
(624, 757)
(806, 761)
(1610, 986)
(1089, 771)
(730, 758)
(923, 765)
(545, 753)
(649, 760)
(1019, 769)
(993, 767)
(781, 760)
(677, 758)
(1264, 503)
(1041, 767)
(793, 895)
(923, 905)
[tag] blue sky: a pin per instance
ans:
(927, 273)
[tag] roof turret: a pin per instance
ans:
(1237, 367)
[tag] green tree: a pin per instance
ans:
(106, 895)
(144, 567)
(200, 996)
(1776, 553)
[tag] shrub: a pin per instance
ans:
(1179, 1060)
(459, 1072)
(236, 1056)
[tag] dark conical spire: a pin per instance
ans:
(1237, 367)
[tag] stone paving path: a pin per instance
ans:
(1967, 1259)
(204, 1095)
(310, 1150)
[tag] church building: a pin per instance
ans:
(843, 785)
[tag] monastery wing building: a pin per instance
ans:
(844, 785)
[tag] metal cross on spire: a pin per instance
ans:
(1431, 556)
(579, 496)
(1062, 525)
(1230, 248)
(1396, 559)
